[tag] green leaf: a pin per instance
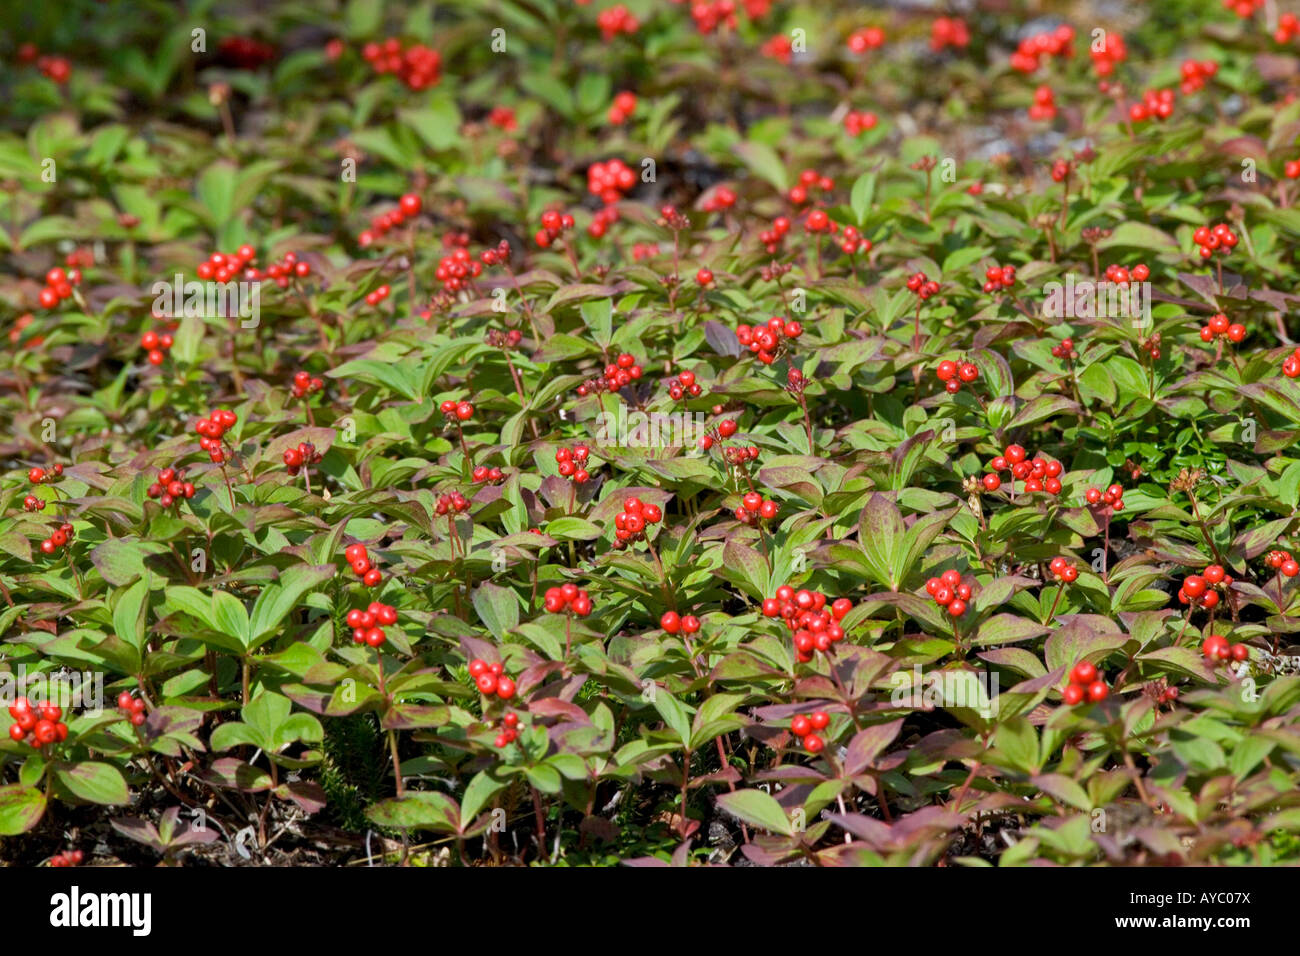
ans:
(675, 715)
(277, 600)
(130, 611)
(482, 788)
(423, 810)
(93, 782)
(860, 199)
(1007, 628)
(757, 809)
(21, 808)
(764, 163)
(216, 192)
(497, 608)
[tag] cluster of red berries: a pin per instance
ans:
(1044, 105)
(631, 523)
(156, 344)
(766, 340)
(865, 38)
(682, 385)
(999, 277)
(674, 623)
(1063, 570)
(57, 68)
(721, 432)
(456, 269)
(771, 238)
(1291, 364)
(1198, 589)
(510, 733)
(20, 324)
(1156, 104)
(1218, 324)
(952, 374)
(718, 199)
(131, 707)
(170, 487)
(624, 105)
(460, 411)
(409, 205)
(853, 243)
(711, 14)
(1036, 47)
(67, 858)
(923, 287)
(57, 539)
(1064, 349)
(857, 122)
(225, 266)
(1287, 27)
(212, 430)
(498, 256)
(818, 221)
(1111, 53)
(1085, 684)
(1283, 562)
(295, 459)
(36, 725)
(58, 286)
(453, 502)
(1113, 497)
(39, 476)
(610, 180)
(1195, 73)
(809, 179)
(485, 475)
(754, 508)
(1216, 647)
(569, 598)
(281, 272)
(736, 454)
(1243, 8)
(417, 65)
(305, 384)
(1121, 275)
(359, 560)
(1060, 169)
(620, 373)
(572, 462)
(377, 295)
(949, 592)
(1038, 473)
(615, 20)
(778, 47)
(949, 31)
(368, 625)
(601, 220)
(1217, 238)
(554, 225)
(803, 727)
(491, 679)
(816, 627)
